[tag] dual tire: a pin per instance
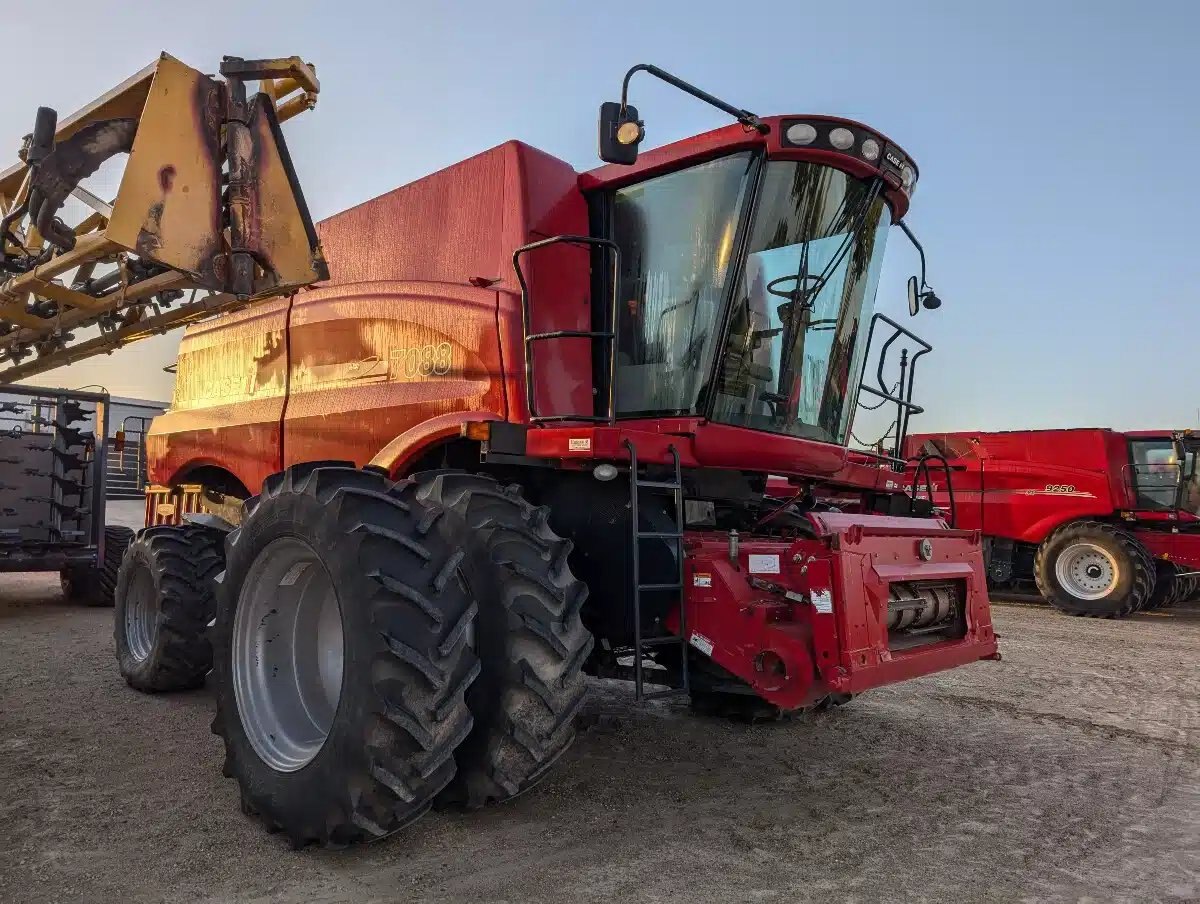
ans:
(164, 602)
(380, 645)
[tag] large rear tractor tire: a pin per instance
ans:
(342, 655)
(164, 602)
(1094, 569)
(97, 585)
(530, 639)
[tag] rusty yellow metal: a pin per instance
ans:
(169, 213)
(168, 208)
(66, 296)
(125, 101)
(295, 106)
(281, 237)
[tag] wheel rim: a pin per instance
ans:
(287, 654)
(141, 616)
(1087, 571)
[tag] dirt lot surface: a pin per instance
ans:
(1069, 771)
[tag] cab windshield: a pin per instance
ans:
(792, 355)
(797, 336)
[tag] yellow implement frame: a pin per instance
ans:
(209, 209)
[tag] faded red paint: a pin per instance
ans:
(362, 359)
(846, 649)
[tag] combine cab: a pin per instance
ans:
(208, 215)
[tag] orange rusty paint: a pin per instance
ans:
(408, 339)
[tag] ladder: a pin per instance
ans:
(640, 644)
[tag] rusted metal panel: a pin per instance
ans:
(168, 208)
(278, 231)
(181, 128)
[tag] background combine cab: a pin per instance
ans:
(208, 202)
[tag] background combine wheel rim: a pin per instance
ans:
(288, 659)
(141, 616)
(1087, 571)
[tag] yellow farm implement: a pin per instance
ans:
(209, 213)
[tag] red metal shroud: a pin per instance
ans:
(820, 606)
(1024, 484)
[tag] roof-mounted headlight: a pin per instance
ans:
(841, 138)
(801, 133)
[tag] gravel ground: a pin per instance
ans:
(1067, 772)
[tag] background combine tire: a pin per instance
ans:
(530, 639)
(1168, 587)
(1191, 587)
(1094, 569)
(163, 607)
(97, 586)
(348, 734)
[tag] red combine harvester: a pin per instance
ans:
(1103, 523)
(523, 434)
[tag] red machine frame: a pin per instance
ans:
(768, 627)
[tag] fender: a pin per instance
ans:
(1039, 530)
(179, 474)
(410, 445)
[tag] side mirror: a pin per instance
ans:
(620, 133)
(914, 298)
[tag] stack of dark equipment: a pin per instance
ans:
(52, 469)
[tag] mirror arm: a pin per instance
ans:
(921, 251)
(745, 117)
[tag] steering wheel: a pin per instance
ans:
(796, 293)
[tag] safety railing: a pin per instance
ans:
(608, 335)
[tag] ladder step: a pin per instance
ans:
(659, 535)
(662, 641)
(674, 586)
(659, 485)
(669, 692)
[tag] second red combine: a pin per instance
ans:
(1102, 523)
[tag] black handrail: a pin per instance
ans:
(905, 407)
(609, 335)
(922, 461)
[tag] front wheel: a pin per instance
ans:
(1094, 569)
(341, 655)
(164, 602)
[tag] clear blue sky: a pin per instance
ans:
(1056, 142)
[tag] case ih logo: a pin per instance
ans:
(894, 160)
